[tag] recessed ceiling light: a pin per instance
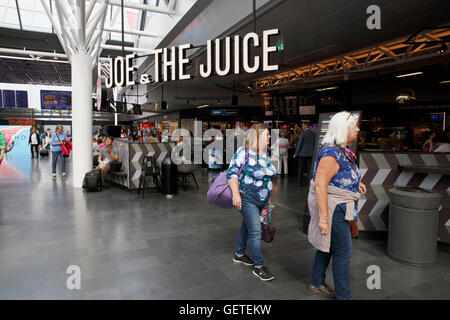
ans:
(446, 81)
(326, 89)
(408, 74)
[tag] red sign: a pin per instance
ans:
(147, 125)
(21, 122)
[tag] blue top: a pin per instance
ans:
(346, 178)
(55, 140)
(256, 176)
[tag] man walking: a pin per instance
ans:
(304, 152)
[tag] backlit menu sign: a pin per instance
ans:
(60, 100)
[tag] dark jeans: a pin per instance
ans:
(34, 147)
(340, 250)
(250, 229)
(303, 161)
(55, 156)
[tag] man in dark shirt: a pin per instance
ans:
(304, 151)
(101, 131)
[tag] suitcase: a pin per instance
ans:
(43, 153)
(93, 181)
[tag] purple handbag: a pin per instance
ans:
(219, 193)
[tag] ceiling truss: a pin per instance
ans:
(425, 45)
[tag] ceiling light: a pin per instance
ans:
(446, 81)
(204, 106)
(408, 74)
(326, 89)
(443, 49)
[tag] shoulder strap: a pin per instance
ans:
(347, 159)
(343, 153)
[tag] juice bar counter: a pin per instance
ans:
(383, 170)
(132, 155)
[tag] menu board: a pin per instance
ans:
(61, 100)
(291, 106)
(9, 99)
(21, 99)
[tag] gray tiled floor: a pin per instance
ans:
(155, 248)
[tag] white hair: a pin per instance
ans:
(338, 128)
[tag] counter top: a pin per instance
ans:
(445, 170)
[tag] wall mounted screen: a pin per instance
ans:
(61, 100)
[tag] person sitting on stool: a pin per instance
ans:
(107, 155)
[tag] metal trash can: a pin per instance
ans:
(169, 178)
(413, 225)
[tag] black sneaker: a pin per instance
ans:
(243, 259)
(263, 273)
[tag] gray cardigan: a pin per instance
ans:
(335, 197)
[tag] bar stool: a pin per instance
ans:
(149, 169)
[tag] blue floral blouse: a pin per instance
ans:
(346, 178)
(256, 176)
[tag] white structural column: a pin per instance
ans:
(81, 117)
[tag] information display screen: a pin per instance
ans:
(21, 99)
(60, 100)
(9, 99)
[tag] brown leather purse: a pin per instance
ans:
(354, 229)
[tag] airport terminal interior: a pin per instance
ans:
(114, 211)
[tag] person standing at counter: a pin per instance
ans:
(335, 188)
(251, 192)
(304, 151)
(57, 140)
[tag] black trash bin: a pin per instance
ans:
(413, 225)
(169, 178)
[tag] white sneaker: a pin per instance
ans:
(54, 175)
(64, 174)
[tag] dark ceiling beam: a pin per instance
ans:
(18, 14)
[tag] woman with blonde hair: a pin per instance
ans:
(251, 191)
(333, 194)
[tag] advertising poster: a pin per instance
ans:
(56, 100)
(14, 166)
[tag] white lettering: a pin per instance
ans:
(374, 281)
(182, 61)
(129, 69)
(74, 280)
(119, 71)
(268, 49)
(110, 80)
(246, 53)
(226, 70)
(169, 63)
(157, 53)
(206, 73)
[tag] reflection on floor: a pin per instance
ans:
(157, 248)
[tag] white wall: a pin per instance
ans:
(34, 92)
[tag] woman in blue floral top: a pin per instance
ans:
(335, 167)
(251, 193)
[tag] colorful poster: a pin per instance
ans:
(14, 164)
(60, 100)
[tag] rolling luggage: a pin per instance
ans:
(93, 181)
(43, 153)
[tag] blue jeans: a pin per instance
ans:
(250, 229)
(303, 161)
(340, 249)
(55, 156)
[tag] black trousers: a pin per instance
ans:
(36, 147)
